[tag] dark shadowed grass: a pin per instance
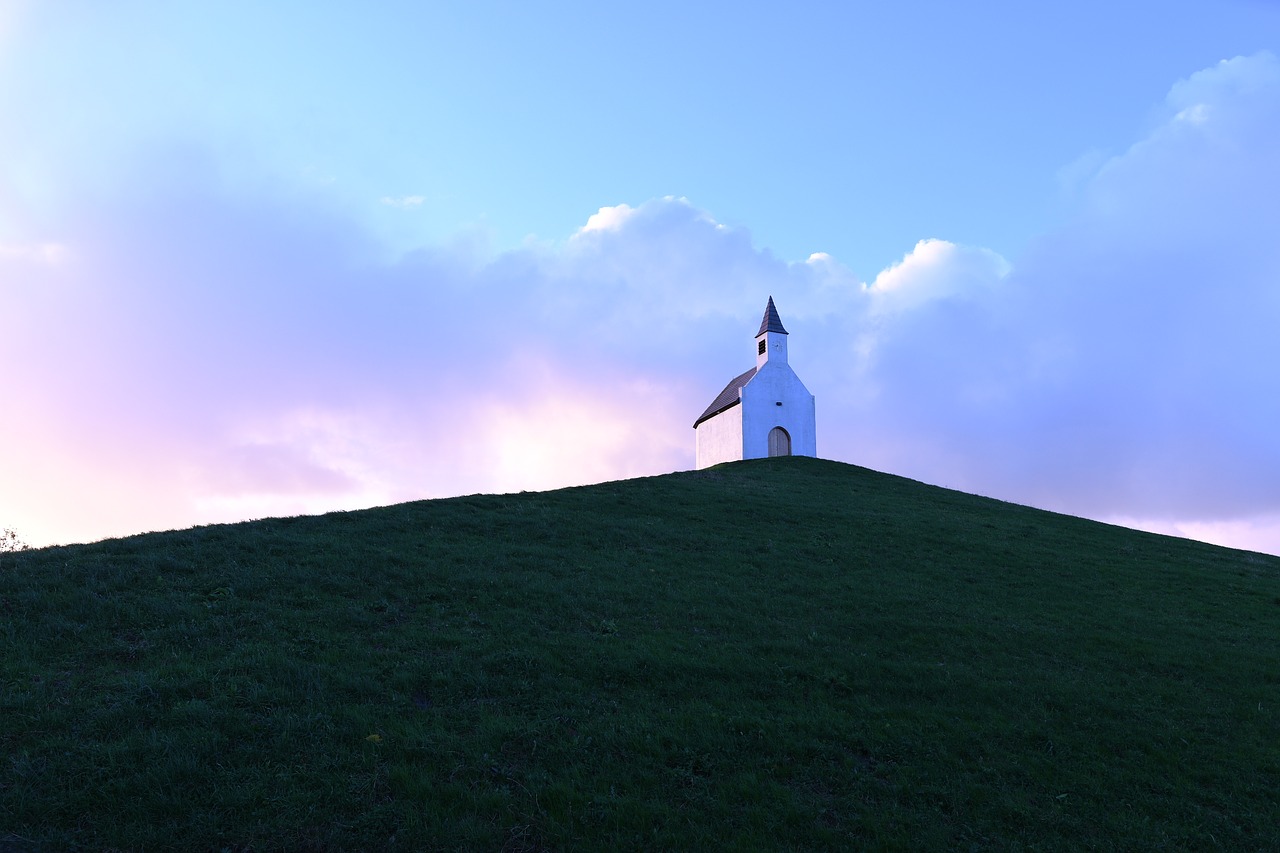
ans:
(782, 654)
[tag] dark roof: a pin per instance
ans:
(728, 398)
(771, 322)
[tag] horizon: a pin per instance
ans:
(269, 262)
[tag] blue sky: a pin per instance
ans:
(264, 259)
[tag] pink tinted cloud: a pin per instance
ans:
(205, 359)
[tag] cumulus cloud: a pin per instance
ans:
(607, 219)
(933, 270)
(210, 356)
(1121, 366)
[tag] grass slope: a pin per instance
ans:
(780, 654)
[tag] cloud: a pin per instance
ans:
(1242, 78)
(607, 219)
(201, 352)
(1122, 366)
(49, 253)
(210, 357)
(405, 202)
(936, 269)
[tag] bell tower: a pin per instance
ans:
(771, 340)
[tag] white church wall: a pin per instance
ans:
(719, 439)
(776, 383)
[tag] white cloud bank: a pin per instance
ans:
(210, 357)
(1126, 365)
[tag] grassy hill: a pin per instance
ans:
(771, 655)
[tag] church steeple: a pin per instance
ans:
(771, 340)
(771, 322)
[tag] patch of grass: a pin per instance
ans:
(779, 654)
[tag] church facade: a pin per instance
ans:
(766, 411)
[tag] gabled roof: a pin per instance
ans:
(771, 322)
(728, 398)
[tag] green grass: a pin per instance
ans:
(772, 655)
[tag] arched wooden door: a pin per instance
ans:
(779, 442)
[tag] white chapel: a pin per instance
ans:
(766, 411)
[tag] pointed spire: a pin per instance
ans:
(771, 322)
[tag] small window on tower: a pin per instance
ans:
(761, 350)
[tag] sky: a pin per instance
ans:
(262, 259)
